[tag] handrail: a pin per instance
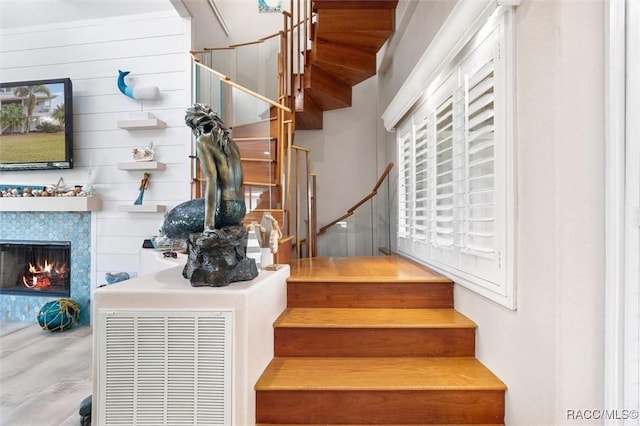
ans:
(373, 192)
(227, 80)
(260, 40)
(383, 176)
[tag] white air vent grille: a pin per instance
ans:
(164, 368)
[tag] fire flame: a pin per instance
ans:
(40, 278)
(46, 270)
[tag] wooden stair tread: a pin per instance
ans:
(355, 4)
(363, 269)
(372, 318)
(377, 374)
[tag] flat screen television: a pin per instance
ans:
(36, 125)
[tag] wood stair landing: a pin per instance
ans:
(405, 359)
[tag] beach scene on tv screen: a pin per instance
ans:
(32, 120)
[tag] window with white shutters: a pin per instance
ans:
(453, 168)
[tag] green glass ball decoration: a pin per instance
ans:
(58, 315)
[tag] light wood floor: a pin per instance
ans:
(44, 376)
(363, 268)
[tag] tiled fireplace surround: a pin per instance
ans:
(50, 226)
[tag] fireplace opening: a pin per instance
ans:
(35, 268)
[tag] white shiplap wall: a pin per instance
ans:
(154, 47)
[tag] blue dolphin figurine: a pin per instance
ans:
(126, 90)
(138, 93)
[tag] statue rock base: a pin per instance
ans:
(219, 258)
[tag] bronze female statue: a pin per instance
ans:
(220, 162)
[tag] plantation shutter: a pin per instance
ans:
(480, 143)
(484, 228)
(444, 172)
(452, 162)
(422, 219)
(404, 185)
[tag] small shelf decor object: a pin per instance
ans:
(58, 315)
(144, 154)
(144, 185)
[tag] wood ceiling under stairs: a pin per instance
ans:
(374, 340)
(346, 36)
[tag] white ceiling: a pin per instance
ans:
(23, 13)
(240, 17)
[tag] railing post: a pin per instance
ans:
(298, 244)
(292, 82)
(310, 252)
(314, 213)
(288, 183)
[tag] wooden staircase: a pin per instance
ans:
(374, 340)
(258, 143)
(345, 37)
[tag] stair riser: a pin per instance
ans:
(290, 342)
(258, 148)
(348, 58)
(328, 92)
(377, 424)
(263, 197)
(308, 115)
(369, 295)
(355, 4)
(259, 171)
(367, 407)
(346, 21)
(265, 128)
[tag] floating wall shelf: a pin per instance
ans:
(141, 120)
(142, 208)
(142, 165)
(50, 204)
(150, 123)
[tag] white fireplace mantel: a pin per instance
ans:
(50, 204)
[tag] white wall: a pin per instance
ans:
(241, 17)
(343, 154)
(550, 351)
(246, 23)
(154, 47)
